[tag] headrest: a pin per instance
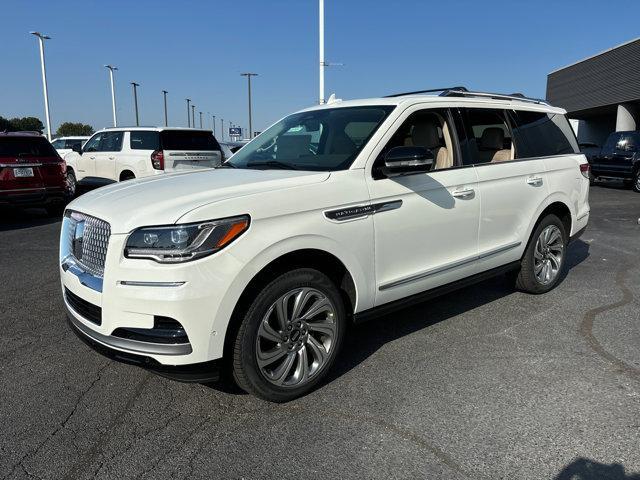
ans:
(425, 134)
(492, 139)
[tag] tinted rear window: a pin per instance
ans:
(188, 140)
(144, 140)
(540, 134)
(26, 147)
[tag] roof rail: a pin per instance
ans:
(432, 90)
(496, 96)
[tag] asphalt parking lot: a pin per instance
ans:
(485, 383)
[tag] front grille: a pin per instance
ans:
(88, 310)
(88, 241)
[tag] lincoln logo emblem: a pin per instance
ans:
(77, 240)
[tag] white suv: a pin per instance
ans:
(124, 153)
(65, 145)
(334, 214)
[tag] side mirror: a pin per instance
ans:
(76, 148)
(408, 160)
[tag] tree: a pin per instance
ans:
(31, 124)
(5, 125)
(68, 129)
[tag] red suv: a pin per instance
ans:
(32, 173)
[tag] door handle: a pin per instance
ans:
(534, 181)
(111, 158)
(464, 193)
(92, 158)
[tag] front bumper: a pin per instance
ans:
(198, 372)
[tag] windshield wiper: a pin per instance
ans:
(273, 163)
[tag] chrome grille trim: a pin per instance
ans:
(95, 240)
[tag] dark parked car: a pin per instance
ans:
(619, 158)
(32, 173)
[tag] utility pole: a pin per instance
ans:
(166, 118)
(249, 75)
(188, 114)
(214, 125)
(222, 128)
(135, 100)
(200, 119)
(42, 38)
(193, 115)
(113, 94)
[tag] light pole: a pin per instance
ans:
(214, 125)
(200, 119)
(166, 117)
(321, 49)
(222, 128)
(42, 38)
(135, 100)
(249, 75)
(188, 116)
(193, 115)
(113, 93)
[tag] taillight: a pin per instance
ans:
(584, 169)
(157, 160)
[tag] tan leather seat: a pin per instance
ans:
(491, 147)
(425, 134)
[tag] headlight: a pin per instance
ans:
(181, 243)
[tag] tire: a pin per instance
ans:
(635, 186)
(72, 185)
(271, 348)
(549, 251)
(592, 178)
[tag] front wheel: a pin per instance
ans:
(290, 336)
(544, 259)
(72, 184)
(636, 182)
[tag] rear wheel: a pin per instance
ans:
(290, 336)
(544, 259)
(72, 184)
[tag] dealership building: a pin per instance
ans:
(601, 93)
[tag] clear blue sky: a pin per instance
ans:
(197, 49)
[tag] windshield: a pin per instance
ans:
(321, 140)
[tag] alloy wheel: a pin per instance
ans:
(548, 255)
(296, 337)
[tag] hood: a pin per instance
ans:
(163, 199)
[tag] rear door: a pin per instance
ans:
(511, 188)
(190, 149)
(28, 163)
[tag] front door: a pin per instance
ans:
(105, 163)
(86, 162)
(425, 224)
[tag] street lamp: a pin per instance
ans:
(200, 119)
(135, 100)
(249, 75)
(113, 94)
(214, 124)
(222, 128)
(42, 38)
(166, 118)
(323, 64)
(188, 116)
(193, 115)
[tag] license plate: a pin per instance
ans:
(23, 172)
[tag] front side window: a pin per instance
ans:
(111, 142)
(487, 137)
(427, 128)
(319, 140)
(93, 143)
(58, 144)
(139, 140)
(541, 134)
(72, 143)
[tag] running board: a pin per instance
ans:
(406, 302)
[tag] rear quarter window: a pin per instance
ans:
(144, 140)
(26, 147)
(542, 134)
(187, 140)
